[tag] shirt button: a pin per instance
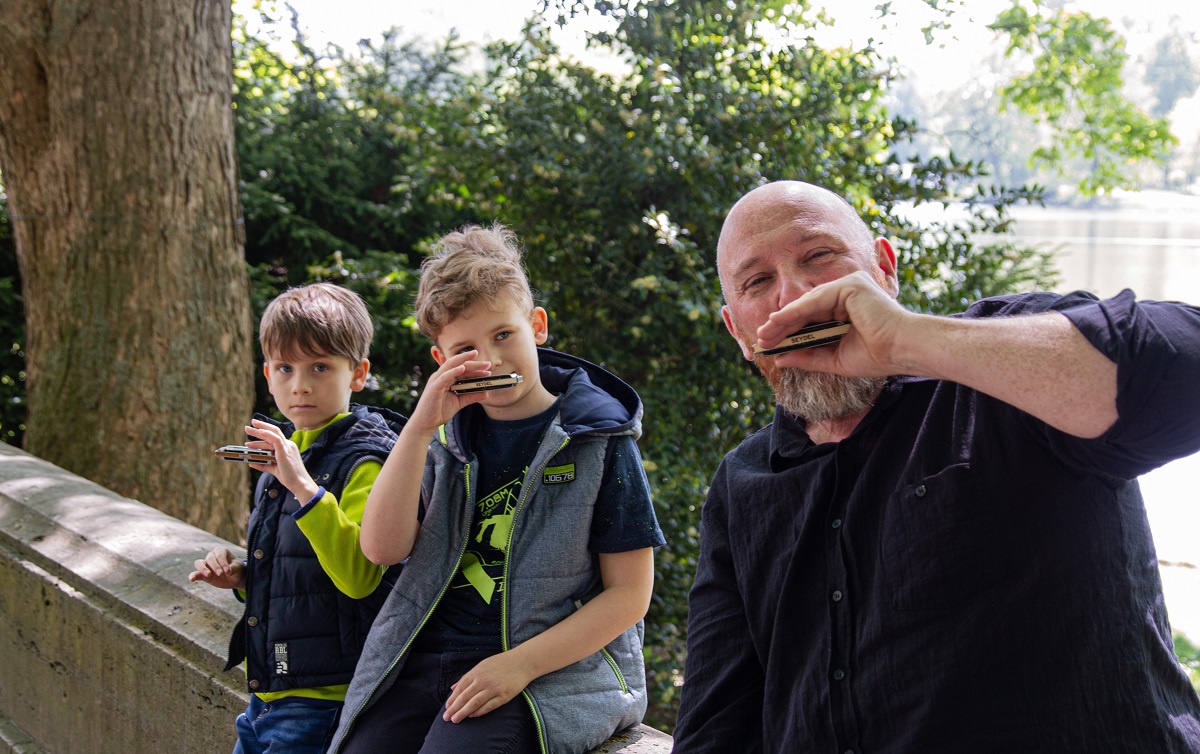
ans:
(837, 523)
(258, 554)
(252, 621)
(273, 494)
(837, 595)
(839, 675)
(253, 684)
(920, 490)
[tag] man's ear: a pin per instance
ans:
(359, 379)
(438, 356)
(727, 318)
(886, 257)
(540, 322)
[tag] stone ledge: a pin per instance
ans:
(106, 646)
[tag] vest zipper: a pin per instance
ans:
(412, 637)
(616, 669)
(537, 717)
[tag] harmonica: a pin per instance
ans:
(808, 337)
(479, 384)
(244, 454)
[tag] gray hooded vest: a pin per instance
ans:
(549, 570)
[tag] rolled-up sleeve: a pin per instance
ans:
(1156, 347)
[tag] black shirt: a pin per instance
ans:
(955, 576)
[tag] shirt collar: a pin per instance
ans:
(790, 440)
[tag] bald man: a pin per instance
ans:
(939, 544)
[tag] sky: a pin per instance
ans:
(1171, 491)
(347, 21)
(943, 65)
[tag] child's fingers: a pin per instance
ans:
(267, 434)
(471, 705)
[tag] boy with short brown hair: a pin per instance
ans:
(310, 593)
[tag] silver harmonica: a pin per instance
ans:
(244, 454)
(809, 337)
(479, 384)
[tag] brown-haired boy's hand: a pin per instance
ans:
(220, 568)
(438, 403)
(289, 466)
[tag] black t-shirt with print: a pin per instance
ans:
(468, 616)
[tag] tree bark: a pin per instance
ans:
(116, 145)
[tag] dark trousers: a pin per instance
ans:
(408, 716)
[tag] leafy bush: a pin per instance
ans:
(1189, 657)
(12, 336)
(353, 162)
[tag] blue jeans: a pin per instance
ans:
(286, 726)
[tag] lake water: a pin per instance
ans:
(1149, 243)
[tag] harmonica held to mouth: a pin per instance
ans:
(479, 384)
(809, 337)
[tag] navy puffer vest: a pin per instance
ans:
(299, 630)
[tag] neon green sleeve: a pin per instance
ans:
(333, 532)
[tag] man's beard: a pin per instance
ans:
(818, 396)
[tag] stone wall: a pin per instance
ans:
(104, 646)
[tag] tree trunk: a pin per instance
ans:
(116, 144)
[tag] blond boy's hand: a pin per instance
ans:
(220, 568)
(438, 403)
(487, 686)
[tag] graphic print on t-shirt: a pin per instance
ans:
(483, 563)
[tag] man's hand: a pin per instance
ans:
(869, 349)
(220, 568)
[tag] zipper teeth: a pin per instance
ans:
(537, 720)
(616, 669)
(512, 528)
(424, 620)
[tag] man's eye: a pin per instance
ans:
(754, 281)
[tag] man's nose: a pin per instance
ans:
(791, 288)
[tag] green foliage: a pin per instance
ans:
(1189, 657)
(332, 151)
(617, 186)
(351, 162)
(1074, 90)
(12, 336)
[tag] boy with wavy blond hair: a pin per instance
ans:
(525, 521)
